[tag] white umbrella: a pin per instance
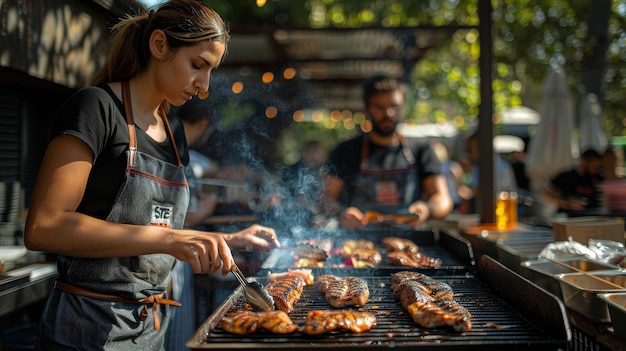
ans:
(550, 150)
(592, 133)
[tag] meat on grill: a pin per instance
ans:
(416, 260)
(343, 292)
(362, 250)
(305, 274)
(324, 321)
(286, 292)
(247, 322)
(400, 244)
(433, 287)
(429, 302)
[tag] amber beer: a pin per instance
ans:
(506, 210)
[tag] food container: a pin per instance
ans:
(580, 292)
(542, 271)
(513, 254)
(484, 242)
(616, 303)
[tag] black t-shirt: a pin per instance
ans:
(95, 116)
(345, 160)
(572, 184)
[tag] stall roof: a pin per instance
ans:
(334, 62)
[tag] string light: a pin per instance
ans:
(366, 126)
(267, 77)
(298, 116)
(289, 73)
(237, 87)
(317, 116)
(271, 112)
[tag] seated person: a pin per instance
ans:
(576, 190)
(611, 160)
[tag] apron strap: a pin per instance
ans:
(365, 150)
(171, 135)
(154, 300)
(132, 133)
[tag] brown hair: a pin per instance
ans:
(185, 23)
(379, 84)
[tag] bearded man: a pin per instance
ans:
(381, 170)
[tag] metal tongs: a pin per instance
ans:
(254, 293)
(379, 218)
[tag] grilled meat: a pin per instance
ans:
(342, 292)
(310, 251)
(429, 302)
(286, 292)
(360, 244)
(307, 262)
(361, 250)
(416, 260)
(400, 244)
(320, 322)
(432, 287)
(247, 322)
(429, 312)
(435, 289)
(305, 274)
(404, 276)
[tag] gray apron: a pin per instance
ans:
(389, 187)
(118, 303)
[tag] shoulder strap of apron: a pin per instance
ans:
(406, 149)
(132, 134)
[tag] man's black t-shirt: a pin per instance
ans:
(94, 115)
(345, 160)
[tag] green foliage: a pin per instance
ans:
(530, 36)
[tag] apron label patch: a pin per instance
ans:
(161, 215)
(387, 192)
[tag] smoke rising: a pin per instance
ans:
(284, 197)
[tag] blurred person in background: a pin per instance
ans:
(504, 177)
(575, 191)
(453, 171)
(611, 162)
(380, 171)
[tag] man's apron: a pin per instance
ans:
(389, 187)
(118, 303)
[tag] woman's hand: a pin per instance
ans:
(205, 252)
(255, 237)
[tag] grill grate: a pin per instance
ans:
(495, 324)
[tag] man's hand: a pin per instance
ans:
(422, 209)
(352, 218)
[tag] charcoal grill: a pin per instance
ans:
(504, 307)
(454, 251)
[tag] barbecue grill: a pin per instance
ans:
(504, 308)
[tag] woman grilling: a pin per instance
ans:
(111, 196)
